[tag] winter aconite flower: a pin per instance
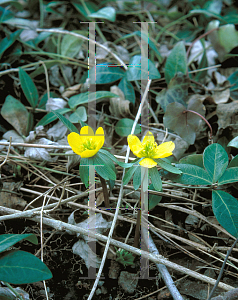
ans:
(86, 144)
(149, 150)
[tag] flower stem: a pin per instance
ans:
(137, 230)
(205, 120)
(105, 192)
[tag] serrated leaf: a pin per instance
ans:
(225, 209)
(86, 97)
(192, 175)
(167, 166)
(177, 91)
(71, 45)
(176, 62)
(155, 178)
(29, 88)
(134, 69)
(107, 13)
(128, 90)
(188, 122)
(215, 160)
(20, 267)
(16, 114)
(124, 126)
(105, 74)
(66, 122)
(8, 240)
(230, 175)
(193, 159)
(50, 117)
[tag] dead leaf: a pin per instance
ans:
(9, 199)
(72, 90)
(55, 103)
(228, 116)
(119, 107)
(58, 131)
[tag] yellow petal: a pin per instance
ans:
(148, 138)
(75, 142)
(88, 153)
(86, 131)
(134, 144)
(148, 163)
(99, 137)
(164, 150)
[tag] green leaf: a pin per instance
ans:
(50, 117)
(188, 122)
(8, 240)
(86, 97)
(8, 41)
(44, 100)
(113, 158)
(202, 65)
(192, 175)
(124, 126)
(177, 92)
(129, 173)
(71, 45)
(105, 74)
(193, 159)
(16, 114)
(134, 69)
(104, 166)
(233, 143)
(20, 267)
(66, 122)
(176, 62)
(84, 171)
(29, 88)
(128, 90)
(155, 178)
(230, 175)
(91, 7)
(215, 160)
(167, 166)
(233, 162)
(233, 79)
(137, 178)
(107, 13)
(5, 14)
(225, 209)
(79, 115)
(153, 199)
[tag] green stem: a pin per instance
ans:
(13, 290)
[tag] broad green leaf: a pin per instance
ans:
(215, 160)
(79, 115)
(153, 199)
(84, 171)
(225, 209)
(233, 143)
(105, 74)
(86, 97)
(137, 178)
(29, 88)
(129, 173)
(91, 7)
(134, 69)
(193, 159)
(188, 122)
(113, 158)
(128, 90)
(104, 166)
(8, 240)
(71, 45)
(192, 175)
(50, 117)
(233, 162)
(176, 62)
(20, 267)
(5, 14)
(230, 175)
(20, 22)
(16, 114)
(177, 91)
(155, 178)
(167, 166)
(124, 126)
(8, 41)
(108, 13)
(233, 79)
(66, 122)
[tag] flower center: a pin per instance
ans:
(149, 149)
(89, 144)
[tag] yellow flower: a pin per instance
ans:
(86, 144)
(149, 149)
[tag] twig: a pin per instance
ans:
(8, 151)
(61, 226)
(222, 269)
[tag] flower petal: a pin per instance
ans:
(99, 137)
(148, 163)
(75, 142)
(148, 138)
(134, 144)
(88, 153)
(86, 131)
(164, 150)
